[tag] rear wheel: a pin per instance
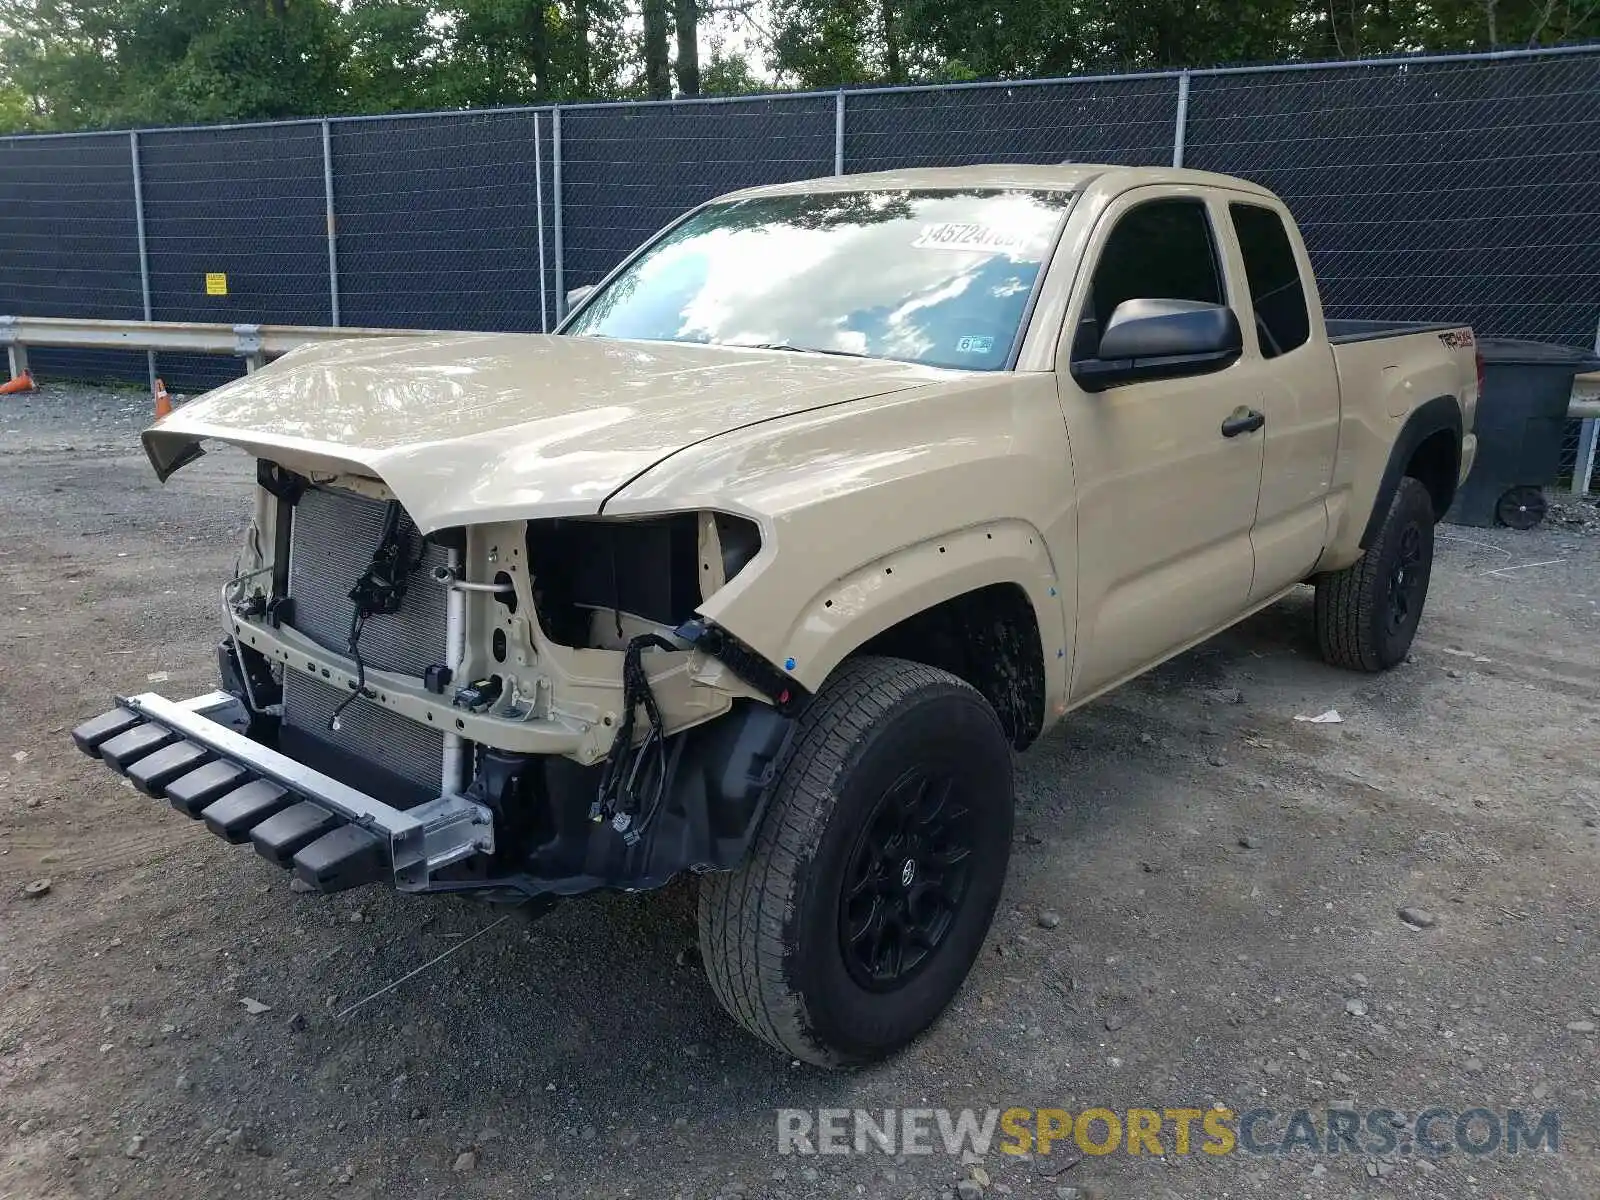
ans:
(876, 871)
(1367, 614)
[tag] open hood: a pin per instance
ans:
(472, 428)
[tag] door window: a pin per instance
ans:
(1161, 250)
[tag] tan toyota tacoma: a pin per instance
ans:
(823, 503)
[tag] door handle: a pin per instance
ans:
(1242, 420)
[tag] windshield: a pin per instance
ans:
(937, 277)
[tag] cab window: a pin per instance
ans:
(1161, 250)
(1276, 292)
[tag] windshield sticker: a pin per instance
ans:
(971, 237)
(973, 344)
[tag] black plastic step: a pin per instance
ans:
(242, 809)
(349, 857)
(92, 734)
(279, 838)
(190, 794)
(154, 771)
(127, 748)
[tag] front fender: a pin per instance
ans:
(874, 511)
(855, 608)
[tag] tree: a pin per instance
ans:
(269, 59)
(75, 64)
(822, 43)
(398, 56)
(17, 111)
(729, 74)
(657, 83)
(100, 62)
(686, 18)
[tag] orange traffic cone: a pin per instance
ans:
(163, 401)
(22, 383)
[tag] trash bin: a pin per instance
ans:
(1527, 387)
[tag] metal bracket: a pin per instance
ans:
(452, 828)
(246, 340)
(247, 345)
(209, 702)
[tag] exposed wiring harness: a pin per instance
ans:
(358, 622)
(378, 592)
(619, 800)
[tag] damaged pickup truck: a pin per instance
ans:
(827, 500)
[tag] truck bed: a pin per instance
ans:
(1343, 332)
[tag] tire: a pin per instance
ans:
(1368, 613)
(1521, 507)
(816, 944)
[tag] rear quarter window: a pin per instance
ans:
(1277, 293)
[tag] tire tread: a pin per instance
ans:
(1347, 600)
(743, 914)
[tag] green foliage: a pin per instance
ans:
(727, 73)
(16, 113)
(99, 62)
(68, 64)
(822, 43)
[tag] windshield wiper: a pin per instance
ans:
(794, 349)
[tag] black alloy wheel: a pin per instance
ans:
(907, 877)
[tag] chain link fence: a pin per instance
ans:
(1130, 121)
(438, 220)
(202, 189)
(1451, 191)
(629, 169)
(69, 240)
(1463, 188)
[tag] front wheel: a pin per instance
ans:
(876, 872)
(1367, 613)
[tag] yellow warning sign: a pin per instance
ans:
(216, 283)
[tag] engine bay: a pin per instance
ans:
(553, 671)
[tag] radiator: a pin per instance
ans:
(367, 731)
(333, 538)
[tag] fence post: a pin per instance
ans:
(1180, 132)
(838, 132)
(1583, 464)
(555, 205)
(333, 236)
(144, 253)
(538, 220)
(1588, 442)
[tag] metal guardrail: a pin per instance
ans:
(253, 343)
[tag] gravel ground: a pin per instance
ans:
(1227, 879)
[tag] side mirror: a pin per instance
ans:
(576, 296)
(1161, 339)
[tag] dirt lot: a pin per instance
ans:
(1228, 881)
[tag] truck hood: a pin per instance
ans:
(472, 428)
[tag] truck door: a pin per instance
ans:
(1299, 396)
(1166, 498)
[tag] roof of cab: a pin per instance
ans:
(1063, 177)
